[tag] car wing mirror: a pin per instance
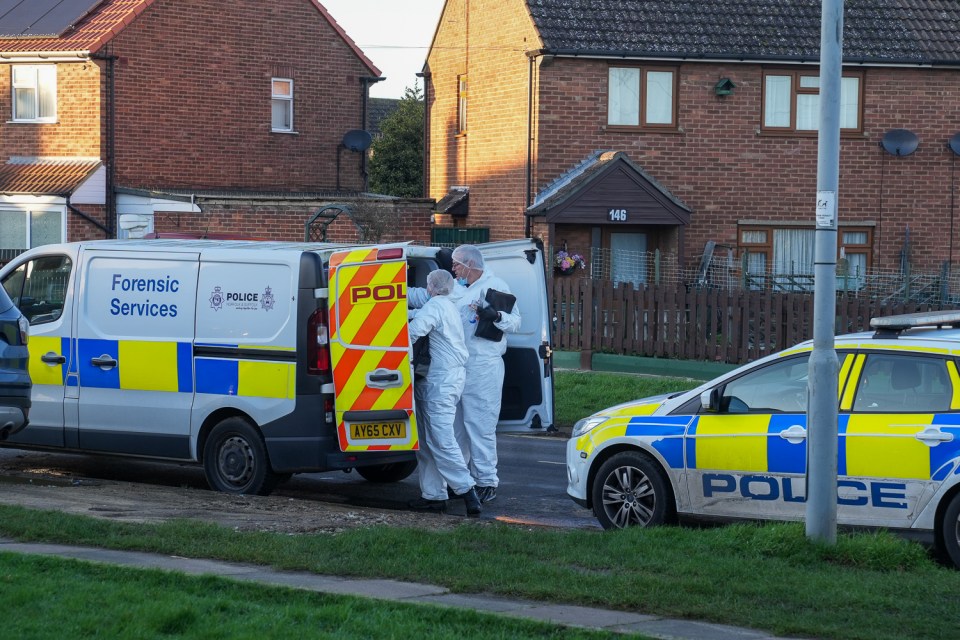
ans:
(710, 400)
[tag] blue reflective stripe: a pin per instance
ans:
(842, 421)
(946, 452)
(95, 377)
(184, 367)
(691, 444)
(66, 350)
(217, 376)
(671, 427)
(782, 456)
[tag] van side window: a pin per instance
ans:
(39, 287)
(897, 383)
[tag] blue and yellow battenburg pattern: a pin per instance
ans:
(164, 366)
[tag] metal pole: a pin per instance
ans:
(824, 367)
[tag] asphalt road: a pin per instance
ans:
(532, 481)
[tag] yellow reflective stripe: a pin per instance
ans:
(887, 346)
(732, 443)
(884, 446)
(40, 371)
(955, 383)
(266, 379)
(844, 372)
(852, 381)
(148, 366)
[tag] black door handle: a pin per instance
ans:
(384, 377)
(103, 361)
(53, 358)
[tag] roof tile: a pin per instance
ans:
(59, 177)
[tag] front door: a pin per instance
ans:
(628, 258)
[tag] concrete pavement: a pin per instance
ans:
(407, 592)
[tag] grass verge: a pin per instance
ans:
(767, 577)
(580, 393)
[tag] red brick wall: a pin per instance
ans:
(193, 89)
(487, 40)
(276, 221)
(76, 132)
(80, 229)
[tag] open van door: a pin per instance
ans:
(528, 367)
(370, 350)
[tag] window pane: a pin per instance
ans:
(776, 111)
(849, 103)
(659, 101)
(23, 76)
(903, 383)
(808, 111)
(624, 96)
(778, 388)
(810, 82)
(282, 88)
(854, 237)
(793, 251)
(26, 104)
(856, 264)
(45, 289)
(13, 230)
(47, 81)
(753, 237)
(45, 228)
(282, 115)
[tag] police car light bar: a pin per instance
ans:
(895, 324)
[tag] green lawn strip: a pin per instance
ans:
(580, 393)
(768, 577)
(52, 598)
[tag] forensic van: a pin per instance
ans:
(256, 359)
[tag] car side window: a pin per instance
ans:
(39, 287)
(892, 383)
(780, 387)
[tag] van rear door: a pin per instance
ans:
(370, 350)
(528, 368)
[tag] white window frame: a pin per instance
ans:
(28, 214)
(285, 100)
(799, 101)
(646, 99)
(28, 76)
(462, 93)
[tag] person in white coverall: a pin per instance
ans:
(440, 459)
(479, 410)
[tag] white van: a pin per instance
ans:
(257, 359)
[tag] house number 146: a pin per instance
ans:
(617, 215)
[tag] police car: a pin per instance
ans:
(736, 447)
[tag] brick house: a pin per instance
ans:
(180, 116)
(614, 128)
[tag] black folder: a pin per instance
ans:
(500, 301)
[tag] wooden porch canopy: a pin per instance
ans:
(608, 189)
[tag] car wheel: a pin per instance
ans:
(235, 459)
(389, 472)
(950, 530)
(630, 490)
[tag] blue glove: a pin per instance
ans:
(488, 313)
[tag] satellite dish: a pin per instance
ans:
(954, 143)
(357, 140)
(899, 142)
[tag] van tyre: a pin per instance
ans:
(389, 472)
(630, 490)
(950, 531)
(235, 459)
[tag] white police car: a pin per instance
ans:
(735, 447)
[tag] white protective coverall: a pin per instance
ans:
(440, 459)
(479, 411)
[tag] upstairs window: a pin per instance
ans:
(461, 104)
(281, 104)
(34, 92)
(642, 97)
(791, 101)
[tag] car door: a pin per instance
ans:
(901, 439)
(370, 350)
(747, 454)
(528, 368)
(42, 287)
(134, 328)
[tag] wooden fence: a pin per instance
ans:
(714, 325)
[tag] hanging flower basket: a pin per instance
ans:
(566, 264)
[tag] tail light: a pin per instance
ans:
(24, 330)
(318, 344)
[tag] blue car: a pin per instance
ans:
(14, 373)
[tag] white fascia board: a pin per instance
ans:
(29, 201)
(93, 190)
(127, 203)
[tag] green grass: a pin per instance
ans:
(768, 577)
(581, 393)
(52, 599)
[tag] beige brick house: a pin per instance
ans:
(178, 116)
(614, 128)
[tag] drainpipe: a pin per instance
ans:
(527, 222)
(86, 217)
(424, 162)
(365, 83)
(111, 131)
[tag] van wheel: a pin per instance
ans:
(950, 530)
(630, 491)
(235, 459)
(390, 472)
